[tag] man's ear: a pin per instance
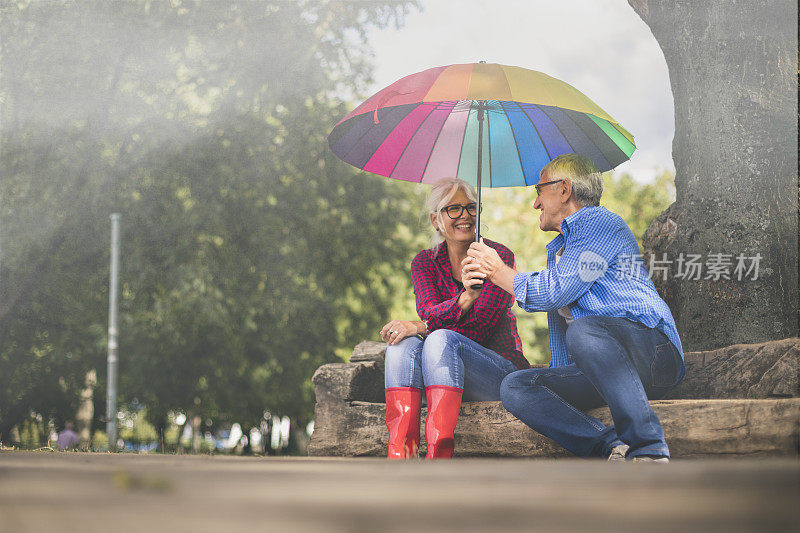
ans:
(566, 191)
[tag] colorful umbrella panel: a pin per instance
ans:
(425, 126)
(426, 141)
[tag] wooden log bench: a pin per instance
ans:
(743, 400)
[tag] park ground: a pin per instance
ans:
(86, 492)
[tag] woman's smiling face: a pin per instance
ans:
(461, 228)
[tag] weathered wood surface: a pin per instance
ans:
(350, 409)
(694, 428)
(88, 493)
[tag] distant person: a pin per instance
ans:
(466, 342)
(68, 439)
(612, 338)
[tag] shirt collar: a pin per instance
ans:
(578, 217)
(568, 224)
(555, 244)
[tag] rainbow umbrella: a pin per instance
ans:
(430, 125)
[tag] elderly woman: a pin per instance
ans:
(466, 342)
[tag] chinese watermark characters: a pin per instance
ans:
(693, 267)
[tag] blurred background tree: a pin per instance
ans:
(250, 254)
(246, 248)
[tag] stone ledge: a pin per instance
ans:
(694, 428)
(728, 404)
(764, 370)
(342, 382)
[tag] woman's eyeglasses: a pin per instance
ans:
(455, 210)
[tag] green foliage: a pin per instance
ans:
(33, 434)
(135, 428)
(99, 441)
(172, 435)
(638, 204)
(250, 255)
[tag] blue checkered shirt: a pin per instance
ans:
(599, 274)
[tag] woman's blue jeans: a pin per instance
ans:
(618, 362)
(447, 358)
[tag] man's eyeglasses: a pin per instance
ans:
(454, 211)
(539, 186)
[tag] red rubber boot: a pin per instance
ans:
(402, 419)
(443, 406)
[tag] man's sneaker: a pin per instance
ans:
(651, 459)
(618, 453)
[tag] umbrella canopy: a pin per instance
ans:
(426, 126)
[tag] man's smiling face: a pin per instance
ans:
(549, 202)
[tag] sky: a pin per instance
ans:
(600, 47)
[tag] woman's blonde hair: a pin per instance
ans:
(440, 195)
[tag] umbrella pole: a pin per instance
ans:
(481, 107)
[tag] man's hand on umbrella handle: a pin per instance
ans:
(489, 262)
(483, 259)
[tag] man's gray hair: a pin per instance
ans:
(587, 182)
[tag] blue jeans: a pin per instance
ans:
(447, 358)
(618, 362)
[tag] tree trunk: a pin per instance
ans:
(85, 414)
(732, 68)
(196, 437)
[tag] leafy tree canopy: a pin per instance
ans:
(247, 249)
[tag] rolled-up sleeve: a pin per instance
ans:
(523, 285)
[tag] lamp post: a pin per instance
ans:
(111, 395)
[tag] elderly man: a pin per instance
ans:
(612, 338)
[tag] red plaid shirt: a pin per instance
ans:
(489, 322)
